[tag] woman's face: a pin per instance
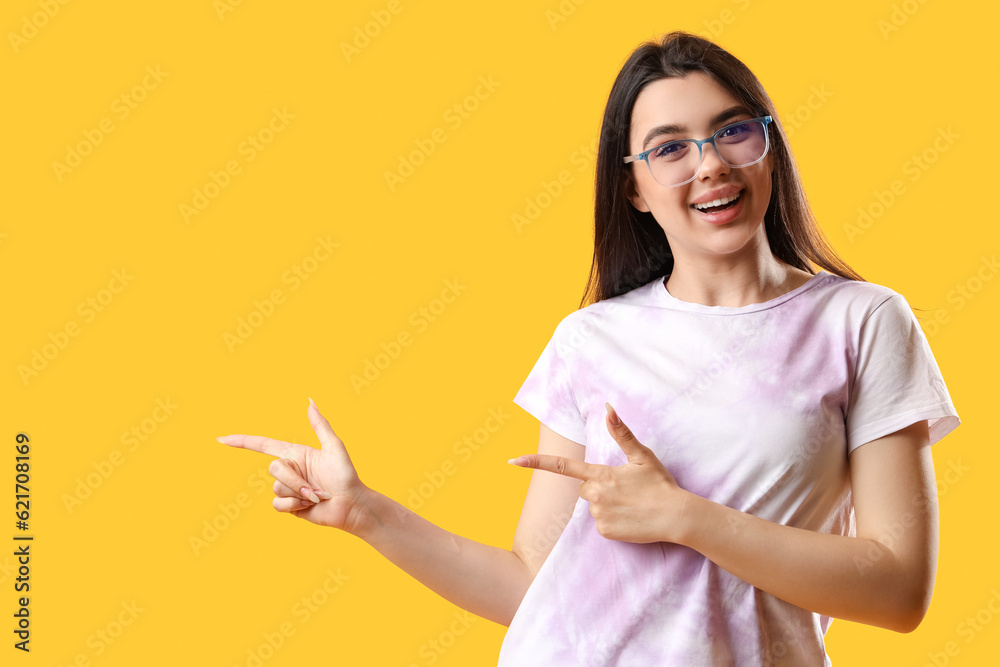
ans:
(698, 106)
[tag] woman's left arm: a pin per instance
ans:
(882, 577)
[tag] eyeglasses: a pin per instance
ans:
(737, 145)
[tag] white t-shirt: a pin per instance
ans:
(755, 407)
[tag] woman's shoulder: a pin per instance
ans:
(610, 308)
(855, 292)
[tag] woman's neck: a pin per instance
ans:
(734, 285)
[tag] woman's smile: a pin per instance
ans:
(721, 205)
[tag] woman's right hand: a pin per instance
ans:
(319, 485)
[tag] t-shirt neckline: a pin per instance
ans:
(665, 298)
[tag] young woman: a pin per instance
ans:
(734, 448)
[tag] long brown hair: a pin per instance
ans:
(630, 248)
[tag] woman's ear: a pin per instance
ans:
(633, 194)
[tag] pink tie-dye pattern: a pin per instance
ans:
(745, 406)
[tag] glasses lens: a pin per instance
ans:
(742, 144)
(739, 145)
(675, 162)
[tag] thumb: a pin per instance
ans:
(327, 438)
(623, 436)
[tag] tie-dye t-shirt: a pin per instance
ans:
(755, 407)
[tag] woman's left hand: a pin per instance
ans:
(636, 502)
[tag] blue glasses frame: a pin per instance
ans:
(644, 156)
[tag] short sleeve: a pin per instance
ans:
(897, 381)
(547, 393)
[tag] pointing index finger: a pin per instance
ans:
(558, 464)
(259, 443)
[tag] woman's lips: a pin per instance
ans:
(725, 215)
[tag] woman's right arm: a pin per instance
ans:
(485, 580)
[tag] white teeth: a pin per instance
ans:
(717, 202)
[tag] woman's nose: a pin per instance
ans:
(711, 164)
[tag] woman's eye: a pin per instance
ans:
(735, 131)
(670, 151)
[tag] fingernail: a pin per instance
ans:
(306, 491)
(519, 461)
(219, 439)
(325, 495)
(313, 403)
(614, 415)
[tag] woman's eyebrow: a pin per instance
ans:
(731, 112)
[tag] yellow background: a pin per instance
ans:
(887, 95)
